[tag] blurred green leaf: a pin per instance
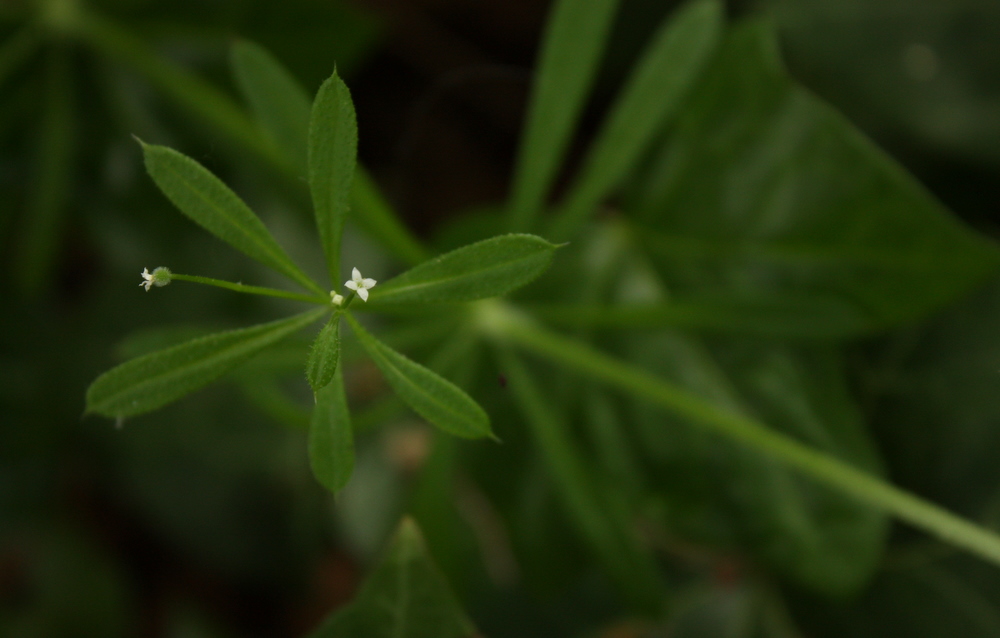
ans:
(18, 49)
(405, 597)
(277, 100)
(51, 184)
(331, 439)
(651, 97)
(729, 495)
(936, 405)
(485, 269)
(324, 355)
(432, 397)
(154, 380)
(604, 525)
(211, 204)
(574, 39)
(762, 189)
(192, 93)
(333, 149)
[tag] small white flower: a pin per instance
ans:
(336, 299)
(359, 285)
(159, 277)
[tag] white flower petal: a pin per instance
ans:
(368, 283)
(356, 275)
(363, 293)
(351, 284)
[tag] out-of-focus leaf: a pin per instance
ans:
(651, 98)
(405, 597)
(277, 100)
(574, 40)
(331, 440)
(18, 49)
(485, 269)
(727, 495)
(154, 380)
(762, 189)
(937, 406)
(52, 181)
(600, 523)
(432, 397)
(204, 198)
(333, 149)
(324, 355)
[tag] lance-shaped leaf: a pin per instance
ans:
(331, 441)
(333, 149)
(432, 397)
(278, 102)
(484, 269)
(574, 40)
(211, 204)
(323, 356)
(154, 380)
(405, 597)
(651, 98)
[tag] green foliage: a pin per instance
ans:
(324, 355)
(405, 597)
(702, 405)
(437, 400)
(651, 98)
(333, 148)
(331, 440)
(154, 380)
(276, 99)
(213, 206)
(571, 51)
(488, 268)
(761, 192)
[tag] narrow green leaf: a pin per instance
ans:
(212, 205)
(331, 439)
(432, 397)
(651, 97)
(324, 355)
(631, 565)
(333, 149)
(154, 380)
(405, 597)
(46, 208)
(276, 99)
(484, 269)
(573, 42)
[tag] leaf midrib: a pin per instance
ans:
(407, 288)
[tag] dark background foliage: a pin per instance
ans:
(203, 519)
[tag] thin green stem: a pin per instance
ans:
(506, 324)
(252, 290)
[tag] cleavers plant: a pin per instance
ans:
(755, 230)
